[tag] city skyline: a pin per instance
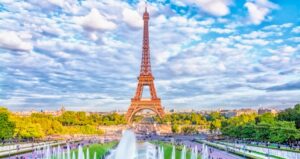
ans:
(85, 55)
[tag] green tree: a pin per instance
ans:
(68, 118)
(214, 116)
(6, 126)
(267, 118)
(175, 129)
(291, 114)
(215, 125)
(189, 130)
(248, 131)
(26, 129)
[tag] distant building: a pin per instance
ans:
(238, 112)
(25, 113)
(47, 112)
(267, 110)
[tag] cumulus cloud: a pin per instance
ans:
(213, 7)
(222, 30)
(12, 40)
(259, 9)
(95, 21)
(296, 29)
(132, 18)
(71, 69)
(283, 50)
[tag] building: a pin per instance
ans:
(267, 110)
(237, 112)
(47, 112)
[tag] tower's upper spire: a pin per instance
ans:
(146, 14)
(145, 64)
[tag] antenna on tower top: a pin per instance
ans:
(146, 5)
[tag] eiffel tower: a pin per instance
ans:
(145, 79)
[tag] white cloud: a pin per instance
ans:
(132, 18)
(295, 39)
(95, 21)
(296, 29)
(12, 40)
(284, 50)
(222, 30)
(257, 34)
(255, 42)
(213, 7)
(59, 3)
(259, 9)
(277, 27)
(182, 45)
(208, 21)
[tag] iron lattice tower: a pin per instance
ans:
(145, 79)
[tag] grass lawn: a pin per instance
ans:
(168, 150)
(100, 149)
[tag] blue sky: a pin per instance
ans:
(206, 54)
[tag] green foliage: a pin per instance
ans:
(70, 118)
(215, 116)
(265, 127)
(267, 118)
(183, 119)
(189, 130)
(175, 129)
(26, 129)
(262, 128)
(49, 124)
(86, 129)
(6, 126)
(291, 114)
(215, 125)
(137, 118)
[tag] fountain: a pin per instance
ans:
(68, 152)
(173, 152)
(204, 151)
(95, 155)
(183, 153)
(87, 153)
(161, 154)
(128, 148)
(194, 153)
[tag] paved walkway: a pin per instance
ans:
(274, 152)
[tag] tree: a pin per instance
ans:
(28, 130)
(68, 118)
(189, 130)
(215, 125)
(214, 116)
(266, 117)
(175, 128)
(6, 126)
(291, 114)
(248, 131)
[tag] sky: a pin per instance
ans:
(205, 54)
